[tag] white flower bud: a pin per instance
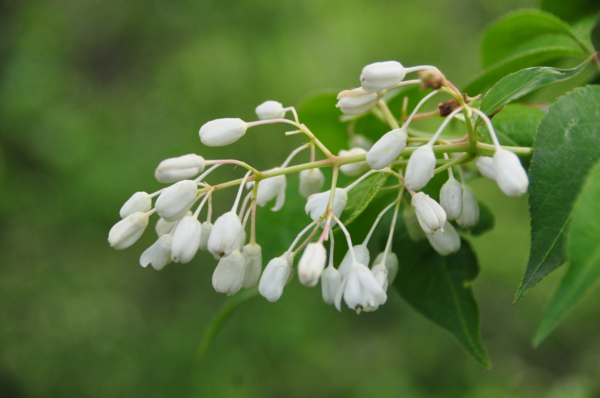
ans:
(176, 200)
(206, 230)
(360, 289)
(360, 141)
(127, 231)
(354, 169)
(419, 169)
(226, 235)
(311, 182)
(163, 227)
(413, 228)
(362, 256)
(356, 101)
(229, 274)
(446, 242)
(253, 265)
(331, 279)
(510, 174)
(485, 165)
(274, 278)
(380, 272)
(186, 239)
(430, 214)
(381, 75)
(221, 132)
(159, 254)
(139, 201)
(312, 263)
(387, 149)
(451, 198)
(470, 209)
(317, 204)
(270, 188)
(270, 110)
(180, 168)
(391, 263)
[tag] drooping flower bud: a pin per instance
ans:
(176, 200)
(391, 263)
(361, 290)
(362, 256)
(380, 272)
(229, 274)
(381, 75)
(253, 265)
(430, 214)
(317, 204)
(413, 228)
(159, 254)
(470, 208)
(312, 263)
(387, 149)
(163, 227)
(311, 182)
(270, 110)
(226, 235)
(451, 198)
(270, 188)
(360, 141)
(221, 132)
(139, 201)
(186, 239)
(353, 169)
(356, 101)
(274, 278)
(180, 168)
(419, 169)
(510, 174)
(204, 235)
(127, 231)
(485, 165)
(447, 242)
(331, 279)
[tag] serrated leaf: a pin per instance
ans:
(440, 289)
(572, 10)
(515, 125)
(321, 116)
(565, 149)
(361, 195)
(584, 256)
(523, 82)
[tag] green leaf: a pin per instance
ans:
(516, 124)
(440, 289)
(584, 256)
(361, 195)
(565, 149)
(486, 223)
(572, 10)
(321, 116)
(523, 82)
(515, 32)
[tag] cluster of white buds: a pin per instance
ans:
(362, 284)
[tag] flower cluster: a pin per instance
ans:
(357, 280)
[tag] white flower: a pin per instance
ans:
(331, 279)
(317, 204)
(206, 230)
(411, 222)
(470, 208)
(485, 165)
(179, 168)
(127, 231)
(419, 169)
(229, 274)
(391, 263)
(226, 235)
(176, 200)
(163, 227)
(430, 214)
(356, 101)
(381, 75)
(186, 239)
(270, 110)
(311, 182)
(387, 149)
(221, 132)
(270, 188)
(362, 256)
(360, 141)
(312, 263)
(139, 201)
(353, 169)
(446, 242)
(360, 289)
(510, 174)
(451, 198)
(253, 264)
(380, 272)
(274, 278)
(159, 254)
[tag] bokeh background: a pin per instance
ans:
(94, 93)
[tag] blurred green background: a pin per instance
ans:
(93, 94)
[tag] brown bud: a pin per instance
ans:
(446, 108)
(431, 78)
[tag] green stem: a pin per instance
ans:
(461, 159)
(387, 114)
